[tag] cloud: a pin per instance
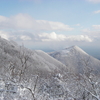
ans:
(52, 37)
(24, 37)
(96, 26)
(16, 35)
(77, 25)
(94, 34)
(43, 37)
(86, 30)
(94, 1)
(4, 35)
(60, 37)
(96, 12)
(80, 38)
(23, 21)
(2, 19)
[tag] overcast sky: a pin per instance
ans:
(52, 24)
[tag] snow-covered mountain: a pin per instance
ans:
(35, 75)
(37, 60)
(76, 59)
(20, 69)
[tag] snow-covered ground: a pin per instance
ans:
(35, 75)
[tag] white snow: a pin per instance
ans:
(76, 59)
(30, 75)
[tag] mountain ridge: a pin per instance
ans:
(75, 58)
(13, 53)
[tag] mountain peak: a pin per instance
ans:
(72, 47)
(76, 59)
(76, 48)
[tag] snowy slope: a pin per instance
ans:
(20, 69)
(34, 75)
(38, 61)
(52, 61)
(76, 59)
